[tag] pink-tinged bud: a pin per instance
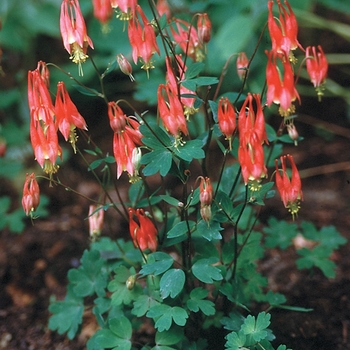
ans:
(3, 147)
(242, 65)
(293, 133)
(204, 28)
(163, 8)
(205, 191)
(96, 216)
(117, 118)
(226, 119)
(31, 194)
(144, 234)
(125, 66)
(289, 188)
(317, 68)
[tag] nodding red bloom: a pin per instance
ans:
(31, 194)
(176, 89)
(289, 188)
(125, 66)
(171, 111)
(142, 39)
(144, 233)
(163, 8)
(187, 38)
(226, 119)
(242, 64)
(126, 139)
(43, 129)
(252, 135)
(204, 28)
(96, 216)
(281, 91)
(284, 31)
(74, 33)
(205, 198)
(127, 8)
(68, 117)
(317, 67)
(103, 10)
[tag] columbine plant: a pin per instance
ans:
(188, 272)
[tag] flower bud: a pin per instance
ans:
(204, 28)
(96, 216)
(293, 133)
(130, 282)
(125, 66)
(205, 191)
(242, 64)
(31, 194)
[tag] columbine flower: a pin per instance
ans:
(284, 31)
(43, 129)
(142, 39)
(281, 91)
(226, 119)
(171, 112)
(144, 234)
(74, 33)
(96, 216)
(125, 66)
(68, 117)
(317, 67)
(176, 88)
(103, 11)
(31, 194)
(127, 8)
(126, 138)
(242, 64)
(204, 28)
(163, 8)
(289, 189)
(186, 37)
(252, 135)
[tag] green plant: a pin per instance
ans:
(190, 267)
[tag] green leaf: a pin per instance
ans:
(158, 138)
(196, 302)
(170, 337)
(165, 315)
(144, 302)
(157, 161)
(121, 327)
(90, 277)
(235, 341)
(181, 228)
(205, 272)
(67, 315)
(319, 257)
(275, 299)
(279, 233)
(157, 263)
(85, 90)
(256, 327)
(209, 232)
(170, 200)
(194, 69)
(172, 283)
(190, 150)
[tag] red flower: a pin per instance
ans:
(205, 198)
(126, 139)
(252, 135)
(204, 28)
(125, 66)
(144, 234)
(31, 194)
(127, 8)
(284, 31)
(242, 64)
(96, 216)
(103, 10)
(289, 189)
(187, 38)
(163, 8)
(176, 88)
(226, 118)
(171, 111)
(68, 117)
(43, 130)
(317, 67)
(74, 33)
(282, 92)
(142, 39)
